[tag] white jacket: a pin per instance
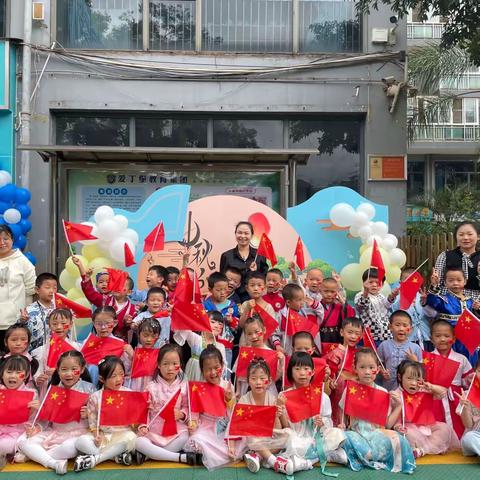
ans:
(17, 285)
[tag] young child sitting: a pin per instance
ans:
(275, 283)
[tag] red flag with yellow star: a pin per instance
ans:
(74, 232)
(207, 398)
(439, 370)
(123, 407)
(187, 290)
(14, 406)
(62, 405)
(57, 346)
(303, 403)
(247, 354)
(367, 403)
(155, 240)
(78, 310)
(116, 280)
(252, 420)
(190, 316)
(269, 322)
(265, 248)
(473, 391)
(144, 362)
(418, 408)
(319, 366)
(299, 323)
(168, 416)
(409, 289)
(95, 348)
(299, 255)
(328, 347)
(467, 330)
(377, 262)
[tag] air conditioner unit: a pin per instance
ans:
(38, 11)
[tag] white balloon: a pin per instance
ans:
(360, 219)
(365, 232)
(94, 233)
(368, 209)
(397, 257)
(342, 214)
(122, 222)
(78, 283)
(104, 246)
(108, 230)
(380, 229)
(353, 231)
(103, 213)
(117, 249)
(131, 235)
(5, 178)
(386, 290)
(390, 239)
(370, 240)
(12, 215)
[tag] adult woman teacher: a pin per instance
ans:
(465, 255)
(17, 282)
(243, 256)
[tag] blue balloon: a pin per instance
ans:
(25, 225)
(20, 242)
(22, 196)
(4, 206)
(16, 230)
(31, 257)
(7, 193)
(24, 210)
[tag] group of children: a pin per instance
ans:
(332, 337)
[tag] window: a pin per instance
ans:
(3, 18)
(470, 109)
(457, 116)
(248, 133)
(103, 24)
(454, 173)
(415, 180)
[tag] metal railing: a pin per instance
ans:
(448, 133)
(421, 30)
(466, 81)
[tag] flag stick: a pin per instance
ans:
(99, 412)
(468, 393)
(41, 405)
(193, 289)
(161, 410)
(343, 364)
(189, 404)
(417, 269)
(66, 236)
(286, 328)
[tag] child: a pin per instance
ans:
(261, 451)
(313, 281)
(471, 420)
(198, 343)
(52, 444)
(450, 305)
(351, 332)
(46, 286)
(207, 433)
(273, 296)
(371, 445)
(166, 382)
(234, 276)
(156, 307)
(148, 334)
(393, 351)
(336, 309)
(101, 283)
(118, 300)
(14, 374)
(315, 439)
(156, 276)
(431, 439)
(373, 307)
(443, 337)
(304, 342)
(171, 282)
(105, 443)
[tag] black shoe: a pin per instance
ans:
(124, 459)
(191, 458)
(198, 459)
(140, 458)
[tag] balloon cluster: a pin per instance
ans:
(15, 211)
(360, 224)
(108, 250)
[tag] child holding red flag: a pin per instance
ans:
(51, 444)
(368, 444)
(14, 374)
(274, 284)
(105, 442)
(416, 421)
(207, 432)
(153, 442)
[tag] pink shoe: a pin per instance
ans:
(283, 465)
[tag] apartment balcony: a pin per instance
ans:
(424, 31)
(466, 81)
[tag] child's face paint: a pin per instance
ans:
(69, 370)
(170, 366)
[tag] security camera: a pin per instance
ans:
(393, 19)
(389, 80)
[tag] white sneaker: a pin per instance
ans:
(283, 465)
(61, 467)
(253, 462)
(338, 456)
(19, 458)
(84, 462)
(300, 463)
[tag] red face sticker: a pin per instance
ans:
(21, 375)
(374, 372)
(76, 372)
(310, 351)
(310, 373)
(219, 370)
(451, 341)
(177, 367)
(266, 382)
(408, 329)
(66, 326)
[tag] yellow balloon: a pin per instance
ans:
(351, 276)
(366, 258)
(363, 248)
(84, 302)
(72, 268)
(100, 263)
(91, 252)
(386, 289)
(74, 294)
(393, 274)
(66, 280)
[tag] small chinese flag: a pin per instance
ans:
(319, 365)
(348, 360)
(62, 405)
(299, 255)
(247, 354)
(252, 420)
(467, 330)
(369, 342)
(299, 323)
(190, 316)
(155, 240)
(265, 248)
(207, 398)
(14, 406)
(328, 347)
(409, 289)
(418, 408)
(377, 262)
(268, 321)
(439, 370)
(128, 255)
(78, 310)
(57, 346)
(303, 403)
(473, 392)
(95, 348)
(75, 232)
(168, 416)
(116, 280)
(123, 407)
(187, 290)
(367, 403)
(144, 362)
